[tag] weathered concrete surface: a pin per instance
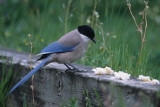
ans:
(54, 86)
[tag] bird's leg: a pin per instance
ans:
(73, 67)
(67, 65)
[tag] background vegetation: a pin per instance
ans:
(118, 41)
(27, 23)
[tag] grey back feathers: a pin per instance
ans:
(70, 39)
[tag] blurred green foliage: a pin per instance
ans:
(6, 81)
(118, 42)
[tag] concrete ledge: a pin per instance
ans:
(54, 86)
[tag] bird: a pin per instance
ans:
(68, 49)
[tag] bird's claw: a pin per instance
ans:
(74, 68)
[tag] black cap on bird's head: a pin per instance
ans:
(87, 31)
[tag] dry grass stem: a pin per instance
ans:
(30, 57)
(142, 27)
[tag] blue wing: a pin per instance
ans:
(56, 47)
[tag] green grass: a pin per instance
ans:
(118, 42)
(6, 81)
(73, 102)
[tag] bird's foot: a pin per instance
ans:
(73, 68)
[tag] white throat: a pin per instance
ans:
(84, 38)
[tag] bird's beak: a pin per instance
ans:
(94, 40)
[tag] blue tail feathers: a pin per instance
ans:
(22, 81)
